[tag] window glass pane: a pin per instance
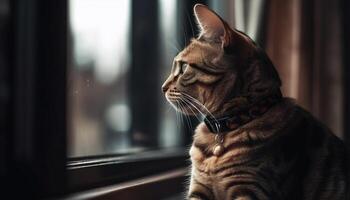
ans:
(104, 117)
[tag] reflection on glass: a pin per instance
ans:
(99, 72)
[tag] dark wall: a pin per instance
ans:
(345, 13)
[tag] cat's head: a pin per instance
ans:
(220, 69)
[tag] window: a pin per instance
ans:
(119, 123)
(83, 98)
(115, 104)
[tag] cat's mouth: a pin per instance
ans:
(173, 95)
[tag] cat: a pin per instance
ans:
(253, 143)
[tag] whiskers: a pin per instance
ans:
(184, 118)
(185, 103)
(198, 106)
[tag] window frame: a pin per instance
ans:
(37, 140)
(86, 173)
(37, 163)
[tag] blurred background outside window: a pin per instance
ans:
(115, 103)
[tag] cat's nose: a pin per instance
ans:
(166, 84)
(165, 87)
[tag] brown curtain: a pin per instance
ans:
(304, 41)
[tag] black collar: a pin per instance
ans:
(225, 123)
(218, 125)
(236, 119)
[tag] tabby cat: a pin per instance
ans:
(253, 143)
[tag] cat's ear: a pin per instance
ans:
(212, 27)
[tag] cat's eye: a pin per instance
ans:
(183, 67)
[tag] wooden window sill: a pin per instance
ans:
(153, 187)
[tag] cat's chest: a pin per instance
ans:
(216, 172)
(202, 162)
(203, 155)
(210, 165)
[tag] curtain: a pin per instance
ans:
(304, 41)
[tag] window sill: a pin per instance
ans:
(87, 173)
(158, 186)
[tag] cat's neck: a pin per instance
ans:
(265, 127)
(239, 111)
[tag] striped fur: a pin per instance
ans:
(285, 154)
